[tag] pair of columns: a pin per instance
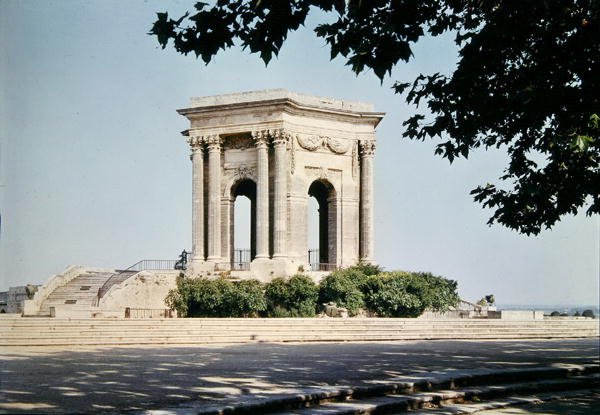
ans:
(279, 139)
(213, 228)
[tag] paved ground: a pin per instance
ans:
(587, 405)
(116, 379)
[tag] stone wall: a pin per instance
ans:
(145, 290)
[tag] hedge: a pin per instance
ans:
(362, 287)
(293, 297)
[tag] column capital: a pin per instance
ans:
(261, 138)
(279, 136)
(367, 147)
(213, 142)
(195, 142)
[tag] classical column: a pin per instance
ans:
(197, 158)
(367, 149)
(280, 194)
(214, 198)
(262, 195)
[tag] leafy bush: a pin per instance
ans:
(404, 294)
(364, 286)
(439, 294)
(202, 297)
(367, 268)
(294, 297)
(343, 287)
(395, 294)
(248, 298)
(554, 314)
(588, 313)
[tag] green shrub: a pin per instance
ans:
(178, 298)
(554, 314)
(392, 294)
(343, 287)
(588, 313)
(248, 298)
(395, 294)
(367, 268)
(202, 297)
(404, 294)
(294, 297)
(439, 294)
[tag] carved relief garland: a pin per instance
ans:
(314, 142)
(337, 145)
(310, 143)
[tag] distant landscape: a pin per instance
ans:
(548, 308)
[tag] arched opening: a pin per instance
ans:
(243, 224)
(322, 257)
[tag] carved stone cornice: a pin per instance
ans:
(367, 148)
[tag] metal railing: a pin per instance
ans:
(148, 312)
(315, 264)
(319, 266)
(240, 261)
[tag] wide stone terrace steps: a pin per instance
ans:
(36, 331)
(79, 293)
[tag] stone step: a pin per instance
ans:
(396, 403)
(141, 333)
(134, 324)
(350, 321)
(281, 329)
(293, 330)
(207, 338)
(391, 397)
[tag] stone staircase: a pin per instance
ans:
(460, 393)
(27, 331)
(80, 293)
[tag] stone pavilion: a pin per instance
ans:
(278, 148)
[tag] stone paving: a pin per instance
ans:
(59, 380)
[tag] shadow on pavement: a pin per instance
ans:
(42, 380)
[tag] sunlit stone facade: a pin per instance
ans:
(279, 148)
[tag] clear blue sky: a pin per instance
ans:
(93, 170)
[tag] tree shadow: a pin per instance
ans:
(85, 380)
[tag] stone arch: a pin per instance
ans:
(325, 194)
(242, 186)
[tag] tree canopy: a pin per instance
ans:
(527, 81)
